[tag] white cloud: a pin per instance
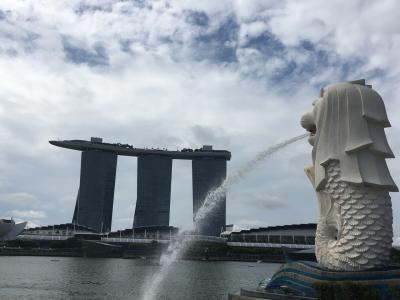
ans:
(180, 74)
(33, 224)
(28, 214)
(365, 30)
(18, 199)
(249, 223)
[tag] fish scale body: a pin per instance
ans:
(364, 238)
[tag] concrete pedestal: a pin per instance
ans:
(297, 278)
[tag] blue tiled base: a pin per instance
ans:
(298, 277)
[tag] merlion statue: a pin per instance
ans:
(350, 177)
(349, 174)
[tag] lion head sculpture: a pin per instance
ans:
(347, 124)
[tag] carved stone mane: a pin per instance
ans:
(351, 118)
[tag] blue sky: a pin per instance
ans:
(175, 74)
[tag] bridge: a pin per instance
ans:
(164, 240)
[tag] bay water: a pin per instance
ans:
(109, 278)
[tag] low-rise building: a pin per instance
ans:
(284, 234)
(67, 229)
(146, 232)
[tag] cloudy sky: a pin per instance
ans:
(173, 74)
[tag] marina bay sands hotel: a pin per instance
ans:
(94, 203)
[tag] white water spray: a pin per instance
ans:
(178, 246)
(213, 196)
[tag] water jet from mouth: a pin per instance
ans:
(180, 243)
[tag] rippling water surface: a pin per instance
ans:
(92, 278)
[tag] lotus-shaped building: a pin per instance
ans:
(9, 230)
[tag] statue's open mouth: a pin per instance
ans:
(312, 130)
(308, 123)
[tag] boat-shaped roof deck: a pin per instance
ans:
(129, 150)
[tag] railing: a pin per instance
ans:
(43, 237)
(163, 239)
(203, 238)
(133, 240)
(270, 245)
